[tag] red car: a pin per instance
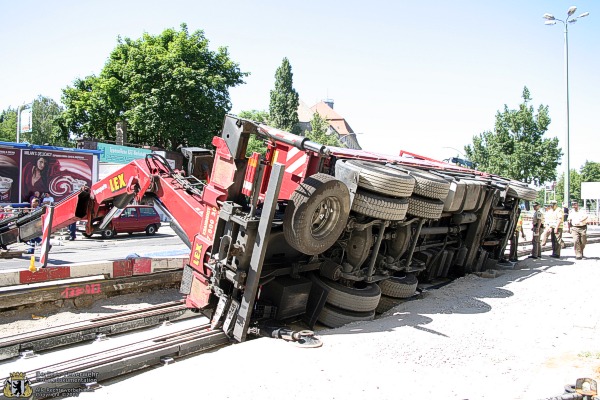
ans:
(133, 219)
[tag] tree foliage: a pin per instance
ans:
(8, 125)
(283, 107)
(255, 144)
(574, 187)
(516, 148)
(170, 89)
(46, 122)
(318, 132)
(590, 172)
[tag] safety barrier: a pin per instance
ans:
(110, 269)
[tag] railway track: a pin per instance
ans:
(82, 366)
(80, 373)
(77, 332)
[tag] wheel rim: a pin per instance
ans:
(325, 217)
(151, 230)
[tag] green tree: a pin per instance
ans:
(318, 132)
(574, 187)
(283, 107)
(47, 124)
(256, 144)
(590, 172)
(170, 89)
(516, 148)
(8, 125)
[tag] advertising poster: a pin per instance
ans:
(59, 173)
(9, 175)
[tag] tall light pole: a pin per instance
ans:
(550, 20)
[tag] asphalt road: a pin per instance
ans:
(164, 243)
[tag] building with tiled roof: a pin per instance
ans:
(337, 124)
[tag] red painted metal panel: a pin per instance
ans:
(199, 296)
(142, 266)
(122, 268)
(45, 274)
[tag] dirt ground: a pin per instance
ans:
(521, 335)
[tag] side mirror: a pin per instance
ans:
(527, 205)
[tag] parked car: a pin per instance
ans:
(135, 218)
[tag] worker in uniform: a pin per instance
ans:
(557, 229)
(547, 231)
(577, 225)
(514, 241)
(536, 249)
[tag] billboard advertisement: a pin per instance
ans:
(9, 175)
(56, 172)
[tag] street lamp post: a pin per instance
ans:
(551, 20)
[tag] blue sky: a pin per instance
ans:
(420, 76)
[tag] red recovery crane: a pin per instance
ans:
(307, 231)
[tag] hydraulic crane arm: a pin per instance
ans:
(181, 196)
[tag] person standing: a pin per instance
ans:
(35, 204)
(536, 249)
(514, 241)
(47, 199)
(546, 230)
(72, 231)
(577, 225)
(557, 229)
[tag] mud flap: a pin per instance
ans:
(316, 301)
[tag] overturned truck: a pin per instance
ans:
(328, 234)
(307, 231)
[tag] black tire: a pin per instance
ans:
(518, 191)
(373, 205)
(86, 235)
(363, 298)
(399, 287)
(108, 234)
(381, 179)
(151, 230)
(386, 304)
(425, 208)
(316, 214)
(334, 317)
(427, 184)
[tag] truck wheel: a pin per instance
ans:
(425, 208)
(427, 184)
(334, 317)
(316, 214)
(399, 287)
(380, 207)
(108, 234)
(361, 298)
(150, 230)
(381, 179)
(86, 235)
(386, 304)
(517, 190)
